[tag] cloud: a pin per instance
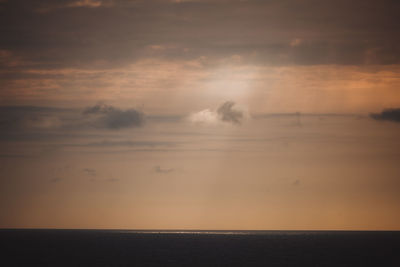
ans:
(55, 180)
(126, 143)
(391, 114)
(25, 118)
(105, 116)
(85, 3)
(225, 113)
(46, 7)
(295, 42)
(72, 37)
(33, 121)
(204, 117)
(158, 169)
(91, 172)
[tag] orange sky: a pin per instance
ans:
(199, 114)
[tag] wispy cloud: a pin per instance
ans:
(56, 180)
(125, 143)
(85, 3)
(91, 172)
(158, 169)
(45, 7)
(112, 180)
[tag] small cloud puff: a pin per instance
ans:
(225, 113)
(204, 117)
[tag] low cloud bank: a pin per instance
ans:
(105, 116)
(391, 114)
(22, 118)
(28, 119)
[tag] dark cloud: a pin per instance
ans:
(227, 113)
(44, 123)
(392, 114)
(158, 169)
(105, 116)
(14, 118)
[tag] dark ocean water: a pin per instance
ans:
(198, 248)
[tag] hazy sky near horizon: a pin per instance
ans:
(201, 114)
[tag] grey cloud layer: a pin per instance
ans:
(45, 34)
(104, 116)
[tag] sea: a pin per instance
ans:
(50, 247)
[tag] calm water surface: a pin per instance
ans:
(198, 248)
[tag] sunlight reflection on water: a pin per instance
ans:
(221, 232)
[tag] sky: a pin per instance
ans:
(200, 114)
